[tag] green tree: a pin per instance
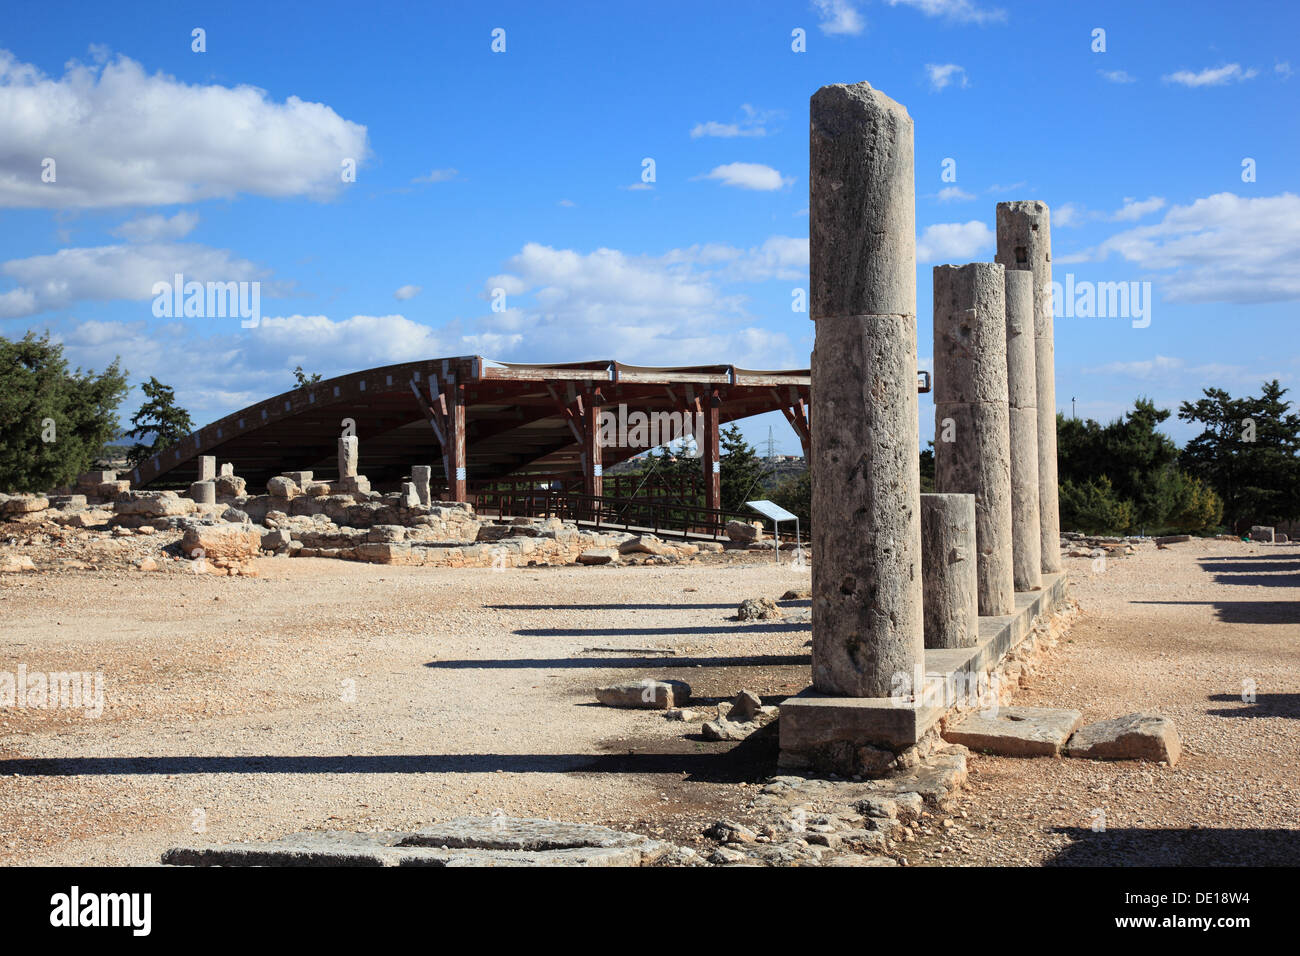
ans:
(54, 422)
(302, 380)
(160, 417)
(1093, 508)
(1247, 451)
(741, 470)
(795, 496)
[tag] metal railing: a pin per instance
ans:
(617, 513)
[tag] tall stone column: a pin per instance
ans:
(948, 574)
(1026, 527)
(866, 484)
(972, 448)
(1025, 243)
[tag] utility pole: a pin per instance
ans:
(1074, 411)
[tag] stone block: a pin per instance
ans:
(204, 492)
(645, 694)
(1131, 737)
(207, 467)
(1016, 731)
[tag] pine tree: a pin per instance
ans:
(54, 422)
(741, 471)
(160, 417)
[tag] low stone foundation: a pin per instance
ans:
(868, 736)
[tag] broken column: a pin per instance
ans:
(1026, 540)
(207, 467)
(948, 577)
(866, 593)
(1025, 244)
(204, 492)
(972, 449)
(348, 457)
(421, 476)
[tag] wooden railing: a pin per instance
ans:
(616, 513)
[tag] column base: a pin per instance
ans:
(829, 733)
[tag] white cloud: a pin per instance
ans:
(104, 273)
(1067, 214)
(1283, 69)
(943, 75)
(1117, 76)
(752, 123)
(1134, 210)
(957, 11)
(749, 176)
(567, 203)
(639, 187)
(1218, 76)
(121, 137)
(437, 176)
(156, 228)
(406, 292)
(953, 242)
(954, 194)
(651, 309)
(839, 18)
(1221, 248)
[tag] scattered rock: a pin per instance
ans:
(645, 694)
(758, 609)
(744, 532)
(1131, 737)
(797, 594)
(745, 707)
(728, 831)
(597, 556)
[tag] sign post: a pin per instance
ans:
(777, 514)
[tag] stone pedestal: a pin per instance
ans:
(204, 492)
(348, 457)
(421, 475)
(1025, 244)
(948, 570)
(1022, 389)
(866, 587)
(972, 453)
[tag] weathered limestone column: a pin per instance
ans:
(348, 457)
(972, 448)
(1025, 243)
(948, 576)
(207, 467)
(421, 476)
(1026, 528)
(866, 596)
(204, 492)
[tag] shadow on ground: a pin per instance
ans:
(1264, 705)
(1177, 847)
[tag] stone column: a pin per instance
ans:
(972, 448)
(1025, 243)
(421, 476)
(1026, 528)
(948, 574)
(348, 457)
(204, 492)
(207, 467)
(866, 595)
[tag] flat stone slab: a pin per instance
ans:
(1016, 731)
(468, 841)
(1131, 737)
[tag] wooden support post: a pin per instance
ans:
(593, 481)
(711, 456)
(457, 456)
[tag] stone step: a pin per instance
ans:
(1016, 731)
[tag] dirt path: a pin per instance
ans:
(331, 695)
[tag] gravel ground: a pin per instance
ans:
(332, 695)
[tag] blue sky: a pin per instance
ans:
(523, 171)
